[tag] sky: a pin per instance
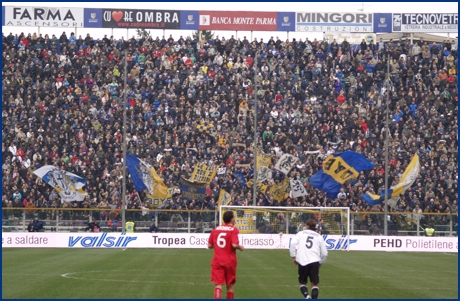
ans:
(384, 7)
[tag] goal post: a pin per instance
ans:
(289, 220)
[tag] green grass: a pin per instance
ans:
(183, 273)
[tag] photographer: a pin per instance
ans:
(30, 227)
(154, 229)
(93, 227)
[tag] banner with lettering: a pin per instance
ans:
(238, 20)
(243, 220)
(334, 22)
(426, 23)
(192, 191)
(39, 16)
(203, 173)
(140, 18)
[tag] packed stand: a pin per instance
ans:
(63, 105)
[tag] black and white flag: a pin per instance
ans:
(297, 188)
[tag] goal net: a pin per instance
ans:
(289, 220)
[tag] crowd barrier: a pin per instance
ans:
(202, 221)
(200, 241)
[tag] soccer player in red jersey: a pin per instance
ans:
(224, 241)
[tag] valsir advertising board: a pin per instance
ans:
(200, 241)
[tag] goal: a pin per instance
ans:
(290, 220)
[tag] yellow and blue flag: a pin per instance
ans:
(205, 127)
(224, 198)
(406, 181)
(192, 191)
(240, 177)
(68, 185)
(145, 177)
(337, 169)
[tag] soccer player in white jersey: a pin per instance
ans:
(308, 251)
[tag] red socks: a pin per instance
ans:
(217, 293)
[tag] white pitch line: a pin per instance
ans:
(69, 276)
(241, 284)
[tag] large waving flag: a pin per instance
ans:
(406, 181)
(337, 169)
(68, 185)
(140, 174)
(145, 177)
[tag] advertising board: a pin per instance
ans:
(426, 23)
(285, 21)
(383, 22)
(334, 22)
(34, 16)
(189, 20)
(238, 20)
(140, 18)
(200, 240)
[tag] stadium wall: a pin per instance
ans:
(199, 241)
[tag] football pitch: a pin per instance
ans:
(184, 273)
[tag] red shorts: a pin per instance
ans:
(221, 274)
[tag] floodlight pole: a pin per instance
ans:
(123, 194)
(254, 197)
(388, 86)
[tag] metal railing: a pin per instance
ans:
(403, 223)
(76, 220)
(203, 221)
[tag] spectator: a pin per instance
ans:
(63, 105)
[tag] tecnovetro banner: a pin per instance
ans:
(426, 23)
(38, 16)
(334, 22)
(200, 241)
(140, 18)
(238, 20)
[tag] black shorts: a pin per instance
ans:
(309, 271)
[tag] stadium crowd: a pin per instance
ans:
(62, 104)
